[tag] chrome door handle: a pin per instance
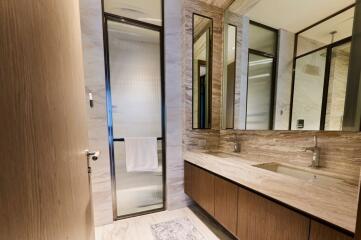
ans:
(93, 155)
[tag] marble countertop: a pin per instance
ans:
(335, 203)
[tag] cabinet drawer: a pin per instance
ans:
(225, 204)
(199, 185)
(322, 232)
(188, 179)
(262, 219)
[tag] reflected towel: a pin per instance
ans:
(141, 154)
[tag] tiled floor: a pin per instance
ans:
(139, 228)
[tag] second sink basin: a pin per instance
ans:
(300, 173)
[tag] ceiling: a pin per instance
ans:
(341, 25)
(132, 33)
(142, 10)
(219, 3)
(292, 15)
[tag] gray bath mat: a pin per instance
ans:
(178, 229)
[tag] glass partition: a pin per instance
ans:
(259, 95)
(340, 58)
(308, 91)
(262, 39)
(134, 86)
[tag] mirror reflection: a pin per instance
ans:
(230, 76)
(202, 73)
(294, 73)
(261, 76)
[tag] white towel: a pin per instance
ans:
(141, 154)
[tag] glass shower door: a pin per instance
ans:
(135, 90)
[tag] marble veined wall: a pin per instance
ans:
(195, 138)
(92, 37)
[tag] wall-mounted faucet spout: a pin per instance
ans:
(316, 154)
(237, 144)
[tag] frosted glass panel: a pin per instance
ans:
(135, 81)
(137, 191)
(308, 91)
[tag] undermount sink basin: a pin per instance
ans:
(219, 154)
(300, 173)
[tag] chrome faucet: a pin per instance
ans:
(316, 154)
(237, 144)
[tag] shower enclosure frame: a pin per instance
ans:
(328, 48)
(124, 20)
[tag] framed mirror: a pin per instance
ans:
(202, 72)
(293, 75)
(262, 62)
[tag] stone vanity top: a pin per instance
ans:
(335, 203)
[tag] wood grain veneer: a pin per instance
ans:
(261, 219)
(319, 231)
(44, 181)
(225, 204)
(203, 189)
(188, 178)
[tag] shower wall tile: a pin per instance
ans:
(175, 190)
(174, 126)
(174, 103)
(92, 36)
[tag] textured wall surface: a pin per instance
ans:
(241, 83)
(174, 102)
(286, 42)
(192, 137)
(339, 151)
(92, 37)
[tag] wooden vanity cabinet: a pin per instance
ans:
(262, 219)
(322, 232)
(248, 215)
(188, 179)
(225, 204)
(199, 185)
